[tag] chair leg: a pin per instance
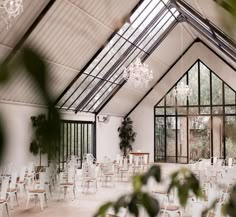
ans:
(50, 190)
(27, 203)
(65, 190)
(45, 198)
(11, 200)
(59, 193)
(16, 198)
(74, 191)
(8, 214)
(41, 200)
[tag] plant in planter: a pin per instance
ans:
(43, 141)
(127, 136)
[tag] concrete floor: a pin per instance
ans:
(84, 205)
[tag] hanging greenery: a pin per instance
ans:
(127, 136)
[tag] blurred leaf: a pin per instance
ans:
(2, 140)
(133, 208)
(4, 73)
(155, 172)
(103, 210)
(121, 202)
(35, 67)
(230, 207)
(137, 183)
(151, 205)
(185, 182)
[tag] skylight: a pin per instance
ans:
(136, 38)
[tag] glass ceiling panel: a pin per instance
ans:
(150, 20)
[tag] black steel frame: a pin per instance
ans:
(187, 115)
(76, 138)
(187, 13)
(86, 104)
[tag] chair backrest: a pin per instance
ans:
(197, 209)
(22, 174)
(13, 180)
(70, 175)
(214, 160)
(145, 159)
(42, 178)
(131, 158)
(230, 162)
(125, 165)
(136, 160)
(5, 184)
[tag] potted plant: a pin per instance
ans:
(127, 136)
(37, 146)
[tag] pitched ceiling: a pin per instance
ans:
(71, 33)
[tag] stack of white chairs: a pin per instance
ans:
(89, 179)
(4, 196)
(108, 173)
(21, 183)
(38, 191)
(67, 182)
(12, 190)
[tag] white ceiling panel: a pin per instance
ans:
(32, 9)
(3, 52)
(173, 45)
(108, 12)
(123, 102)
(67, 35)
(21, 88)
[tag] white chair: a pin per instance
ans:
(67, 182)
(38, 191)
(3, 196)
(108, 173)
(90, 179)
(21, 182)
(30, 174)
(12, 190)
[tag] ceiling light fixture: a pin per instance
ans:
(138, 74)
(10, 9)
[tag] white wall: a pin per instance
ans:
(18, 131)
(19, 134)
(143, 115)
(107, 138)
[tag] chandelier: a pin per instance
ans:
(138, 74)
(182, 91)
(10, 9)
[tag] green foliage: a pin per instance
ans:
(183, 180)
(127, 135)
(186, 183)
(230, 206)
(230, 6)
(36, 68)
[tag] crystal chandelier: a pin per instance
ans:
(10, 9)
(182, 91)
(138, 74)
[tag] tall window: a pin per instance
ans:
(76, 138)
(198, 126)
